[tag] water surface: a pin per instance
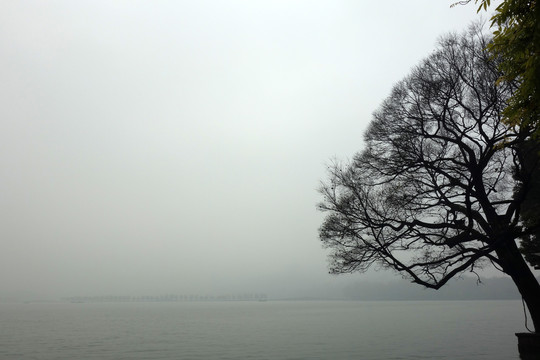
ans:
(331, 330)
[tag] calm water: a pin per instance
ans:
(262, 330)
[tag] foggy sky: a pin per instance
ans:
(152, 147)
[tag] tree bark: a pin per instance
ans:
(514, 264)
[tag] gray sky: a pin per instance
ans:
(153, 147)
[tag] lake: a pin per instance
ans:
(262, 330)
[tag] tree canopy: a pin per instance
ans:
(433, 193)
(529, 155)
(516, 42)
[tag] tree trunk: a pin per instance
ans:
(514, 264)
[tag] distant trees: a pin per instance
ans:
(439, 187)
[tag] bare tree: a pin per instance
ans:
(433, 193)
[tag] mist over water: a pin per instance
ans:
(176, 147)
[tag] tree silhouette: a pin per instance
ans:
(434, 192)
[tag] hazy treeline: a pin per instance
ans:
(168, 298)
